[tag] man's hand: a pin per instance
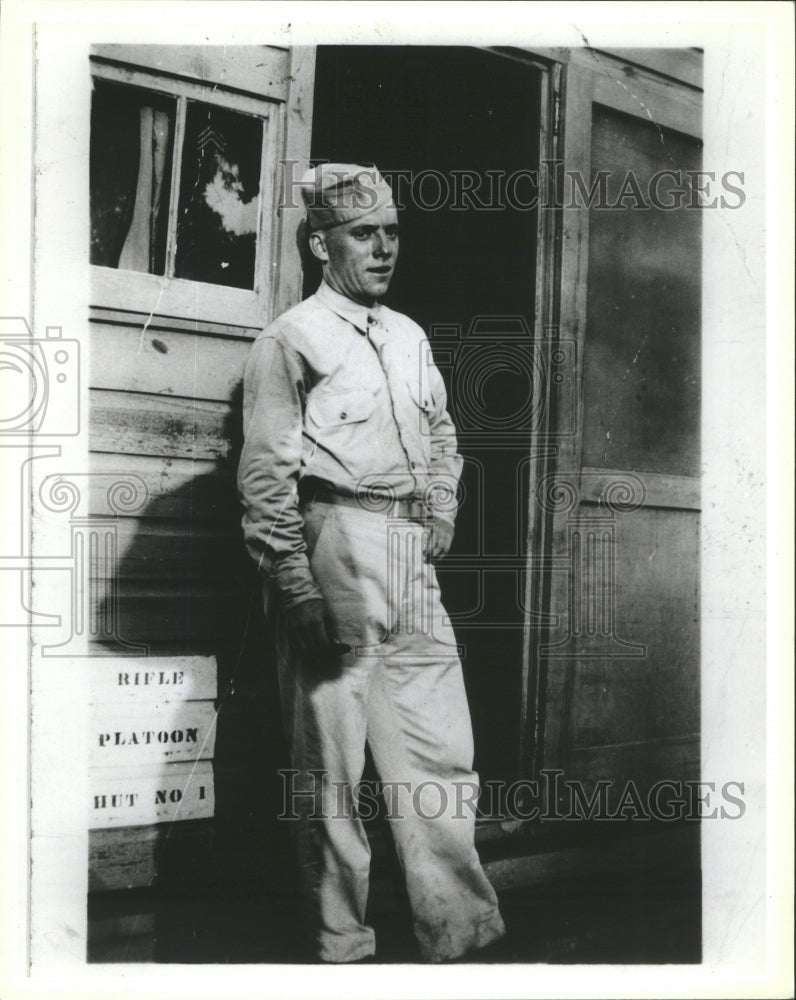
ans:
(306, 626)
(438, 539)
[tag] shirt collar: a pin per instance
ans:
(352, 312)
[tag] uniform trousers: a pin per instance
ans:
(401, 689)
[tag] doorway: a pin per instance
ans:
(457, 132)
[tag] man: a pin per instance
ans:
(347, 477)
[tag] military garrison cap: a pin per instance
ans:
(335, 193)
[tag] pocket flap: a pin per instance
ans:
(332, 409)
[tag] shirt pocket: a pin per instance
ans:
(337, 409)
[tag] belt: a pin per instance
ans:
(372, 503)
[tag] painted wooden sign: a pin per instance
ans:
(122, 734)
(153, 679)
(138, 796)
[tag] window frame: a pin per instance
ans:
(166, 295)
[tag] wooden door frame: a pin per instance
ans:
(296, 139)
(568, 320)
(551, 244)
(550, 65)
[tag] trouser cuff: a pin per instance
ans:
(449, 941)
(339, 950)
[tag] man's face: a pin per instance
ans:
(359, 256)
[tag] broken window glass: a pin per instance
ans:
(219, 196)
(136, 134)
(132, 140)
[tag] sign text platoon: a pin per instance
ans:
(168, 731)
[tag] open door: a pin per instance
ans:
(568, 333)
(457, 132)
(617, 672)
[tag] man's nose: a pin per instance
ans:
(381, 246)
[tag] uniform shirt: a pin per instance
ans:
(348, 395)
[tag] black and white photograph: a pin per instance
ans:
(394, 516)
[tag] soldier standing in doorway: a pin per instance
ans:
(348, 447)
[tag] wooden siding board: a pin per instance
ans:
(129, 857)
(195, 301)
(176, 489)
(139, 320)
(188, 621)
(254, 69)
(179, 557)
(142, 424)
(167, 363)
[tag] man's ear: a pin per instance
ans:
(318, 247)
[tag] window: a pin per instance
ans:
(181, 183)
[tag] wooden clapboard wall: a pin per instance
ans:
(181, 596)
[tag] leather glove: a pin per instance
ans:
(308, 632)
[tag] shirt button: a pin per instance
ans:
(343, 415)
(412, 465)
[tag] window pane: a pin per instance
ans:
(219, 196)
(642, 351)
(132, 138)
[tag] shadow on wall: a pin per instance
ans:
(224, 889)
(186, 585)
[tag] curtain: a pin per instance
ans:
(138, 252)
